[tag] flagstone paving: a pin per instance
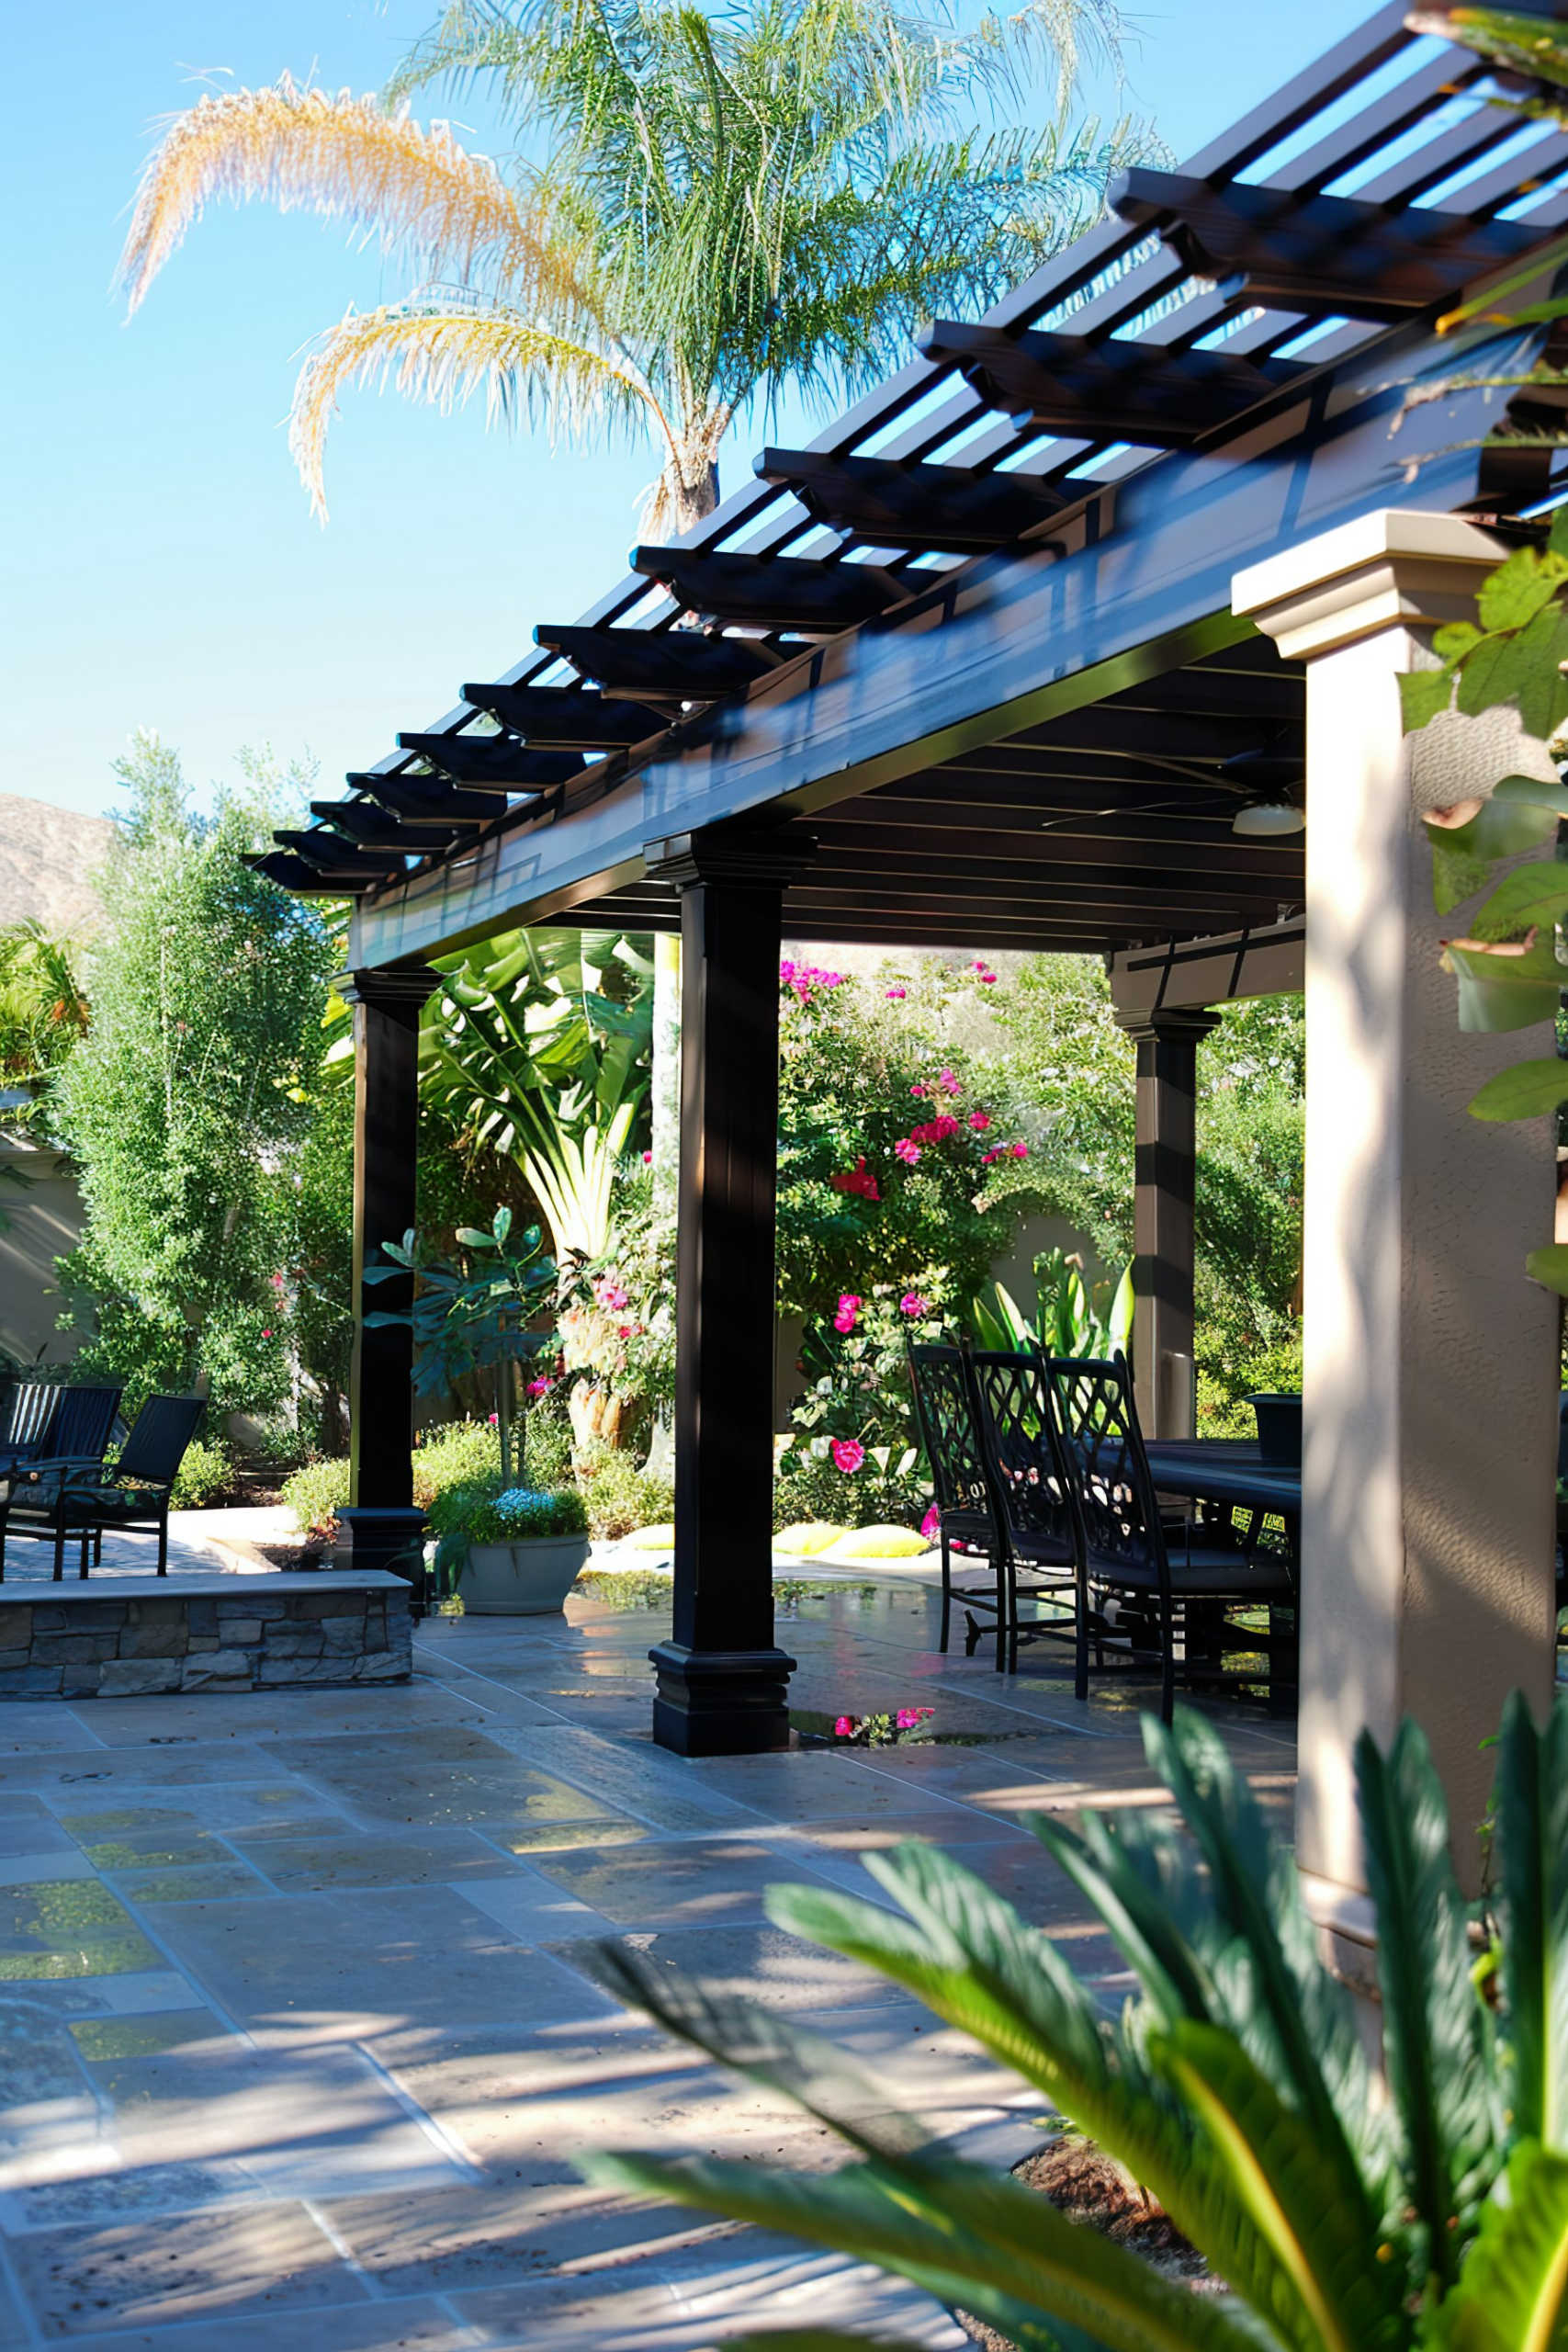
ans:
(298, 2040)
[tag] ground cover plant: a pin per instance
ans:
(1235, 2089)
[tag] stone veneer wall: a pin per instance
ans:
(129, 1636)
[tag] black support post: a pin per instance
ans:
(1165, 1189)
(381, 1529)
(723, 1682)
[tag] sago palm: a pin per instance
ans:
(1236, 2089)
(705, 207)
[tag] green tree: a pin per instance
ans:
(703, 207)
(184, 1100)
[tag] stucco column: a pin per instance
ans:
(1164, 1200)
(1430, 1386)
(381, 1529)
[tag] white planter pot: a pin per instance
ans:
(527, 1579)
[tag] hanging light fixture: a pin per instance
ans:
(1271, 783)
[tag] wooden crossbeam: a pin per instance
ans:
(945, 509)
(368, 826)
(1326, 257)
(429, 799)
(780, 591)
(330, 854)
(1115, 390)
(561, 718)
(307, 881)
(667, 665)
(483, 763)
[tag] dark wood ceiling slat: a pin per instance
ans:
(891, 506)
(560, 718)
(1113, 391)
(778, 592)
(669, 665)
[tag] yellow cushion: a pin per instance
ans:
(808, 1536)
(882, 1543)
(650, 1539)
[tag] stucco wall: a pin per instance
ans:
(41, 1224)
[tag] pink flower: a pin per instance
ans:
(906, 1151)
(935, 1130)
(894, 994)
(625, 1331)
(931, 1526)
(857, 1180)
(979, 1121)
(277, 1282)
(787, 973)
(266, 1335)
(948, 1083)
(988, 980)
(648, 1158)
(921, 1087)
(908, 1717)
(493, 1419)
(1019, 1150)
(849, 1311)
(987, 1157)
(847, 1454)
(610, 1295)
(540, 1387)
(844, 1728)
(913, 1304)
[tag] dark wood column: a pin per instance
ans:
(381, 1529)
(1165, 1181)
(722, 1680)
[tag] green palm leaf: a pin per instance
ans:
(1319, 2281)
(1531, 1812)
(988, 2244)
(1434, 2029)
(1513, 2293)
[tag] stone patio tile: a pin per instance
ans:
(175, 1842)
(102, 2198)
(34, 1730)
(1023, 1875)
(13, 2326)
(642, 1783)
(315, 2123)
(33, 1870)
(379, 1781)
(778, 1969)
(277, 1808)
(535, 1908)
(634, 2309)
(186, 2267)
(801, 2288)
(442, 2242)
(405, 2326)
(562, 1836)
(340, 1967)
(809, 1785)
(27, 1826)
(113, 2040)
(137, 1992)
(220, 1880)
(73, 1927)
(297, 1864)
(668, 1884)
(278, 1715)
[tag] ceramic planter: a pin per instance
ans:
(530, 1578)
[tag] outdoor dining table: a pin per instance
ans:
(1229, 1472)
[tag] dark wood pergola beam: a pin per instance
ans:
(423, 800)
(944, 509)
(666, 665)
(774, 592)
(1115, 390)
(1323, 256)
(368, 826)
(565, 718)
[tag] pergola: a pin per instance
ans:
(1002, 659)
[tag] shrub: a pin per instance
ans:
(316, 1495)
(519, 1514)
(620, 1496)
(1426, 2208)
(202, 1475)
(885, 1487)
(458, 1453)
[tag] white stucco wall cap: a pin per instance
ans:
(1395, 568)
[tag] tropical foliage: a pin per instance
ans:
(1235, 2090)
(43, 1007)
(1063, 1318)
(703, 207)
(1505, 964)
(187, 1091)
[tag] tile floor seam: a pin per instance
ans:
(433, 2130)
(204, 1999)
(374, 2290)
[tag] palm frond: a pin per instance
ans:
(349, 159)
(1531, 1809)
(443, 353)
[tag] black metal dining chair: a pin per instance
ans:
(966, 1518)
(79, 1503)
(75, 1437)
(28, 1411)
(1015, 1413)
(1128, 1552)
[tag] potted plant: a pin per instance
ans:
(515, 1554)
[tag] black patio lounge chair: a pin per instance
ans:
(966, 1519)
(76, 1503)
(1015, 1412)
(1180, 1586)
(27, 1408)
(77, 1431)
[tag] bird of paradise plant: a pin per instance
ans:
(726, 203)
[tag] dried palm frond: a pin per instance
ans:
(347, 157)
(444, 352)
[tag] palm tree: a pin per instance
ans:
(721, 206)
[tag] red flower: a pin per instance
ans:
(913, 1304)
(858, 1180)
(979, 1121)
(847, 1454)
(848, 1309)
(894, 993)
(906, 1150)
(935, 1130)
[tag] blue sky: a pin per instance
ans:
(162, 569)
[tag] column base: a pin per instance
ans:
(721, 1703)
(390, 1541)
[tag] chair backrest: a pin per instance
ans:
(1103, 1452)
(159, 1436)
(1016, 1414)
(30, 1409)
(945, 1413)
(83, 1424)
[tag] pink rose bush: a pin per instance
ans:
(883, 1730)
(849, 1455)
